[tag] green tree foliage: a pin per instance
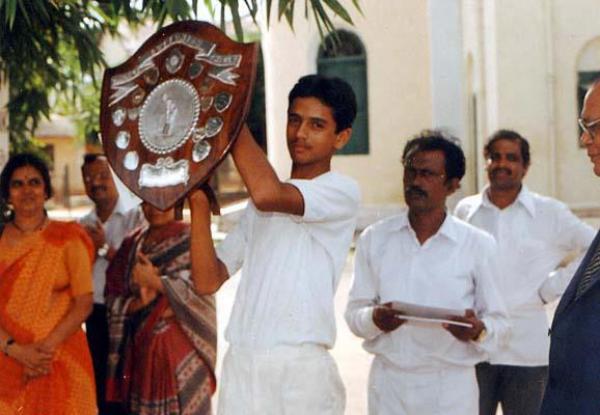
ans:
(49, 49)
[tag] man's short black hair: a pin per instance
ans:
(91, 157)
(509, 135)
(21, 160)
(433, 140)
(333, 92)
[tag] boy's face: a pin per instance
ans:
(311, 135)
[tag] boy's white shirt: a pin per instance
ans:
(291, 266)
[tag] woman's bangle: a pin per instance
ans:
(8, 343)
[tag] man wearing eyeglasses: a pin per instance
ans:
(534, 234)
(107, 224)
(574, 372)
(425, 256)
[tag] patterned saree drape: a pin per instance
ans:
(161, 357)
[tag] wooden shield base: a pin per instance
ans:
(170, 113)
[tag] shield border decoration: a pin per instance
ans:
(170, 113)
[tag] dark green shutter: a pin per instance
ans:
(352, 69)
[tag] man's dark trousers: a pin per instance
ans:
(519, 389)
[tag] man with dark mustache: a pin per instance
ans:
(107, 225)
(425, 256)
(534, 234)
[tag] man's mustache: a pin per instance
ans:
(96, 188)
(502, 169)
(415, 191)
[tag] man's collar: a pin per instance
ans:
(120, 206)
(448, 228)
(524, 197)
(119, 209)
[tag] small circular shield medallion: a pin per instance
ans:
(122, 140)
(201, 151)
(168, 116)
(131, 160)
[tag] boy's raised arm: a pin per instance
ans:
(208, 272)
(268, 193)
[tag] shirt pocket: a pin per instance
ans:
(449, 286)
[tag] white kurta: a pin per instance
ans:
(533, 236)
(455, 269)
(291, 267)
(120, 222)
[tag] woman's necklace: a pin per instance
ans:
(36, 228)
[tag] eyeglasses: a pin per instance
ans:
(411, 174)
(589, 127)
(89, 178)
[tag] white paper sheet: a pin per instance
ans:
(429, 314)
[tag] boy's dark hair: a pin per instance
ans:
(334, 92)
(432, 140)
(512, 136)
(21, 160)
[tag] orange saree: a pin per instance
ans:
(38, 278)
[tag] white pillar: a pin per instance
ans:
(447, 66)
(447, 77)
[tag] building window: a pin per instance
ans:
(342, 54)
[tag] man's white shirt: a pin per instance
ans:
(120, 222)
(455, 268)
(533, 235)
(291, 266)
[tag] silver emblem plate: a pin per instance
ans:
(169, 116)
(166, 172)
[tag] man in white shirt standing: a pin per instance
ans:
(534, 234)
(425, 256)
(291, 244)
(107, 224)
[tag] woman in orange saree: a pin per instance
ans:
(45, 295)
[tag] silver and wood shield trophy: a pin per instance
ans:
(170, 113)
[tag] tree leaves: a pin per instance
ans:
(50, 48)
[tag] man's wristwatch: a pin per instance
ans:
(103, 250)
(481, 336)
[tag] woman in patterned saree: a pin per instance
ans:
(45, 296)
(162, 334)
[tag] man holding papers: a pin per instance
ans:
(425, 259)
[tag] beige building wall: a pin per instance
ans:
(576, 26)
(395, 35)
(508, 45)
(66, 173)
(523, 59)
(66, 151)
